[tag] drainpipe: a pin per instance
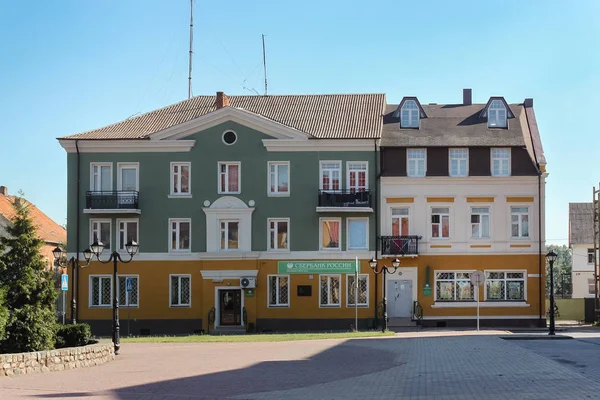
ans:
(75, 294)
(377, 169)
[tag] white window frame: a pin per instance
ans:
(278, 305)
(276, 220)
(348, 248)
(450, 221)
(100, 164)
(591, 285)
(492, 158)
(329, 304)
(410, 123)
(180, 164)
(409, 159)
(454, 300)
(90, 300)
(321, 170)
(227, 221)
(102, 221)
(348, 298)
(520, 222)
(178, 221)
(321, 220)
(133, 165)
(121, 303)
(117, 231)
(494, 108)
(590, 252)
(391, 209)
(461, 174)
(505, 271)
(489, 214)
(228, 163)
(179, 304)
(276, 192)
(348, 170)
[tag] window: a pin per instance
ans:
(229, 235)
(400, 221)
(416, 162)
(362, 294)
(440, 222)
(590, 255)
(504, 286)
(279, 178)
(278, 234)
(229, 177)
(101, 179)
(127, 178)
(180, 179)
(453, 286)
(480, 222)
(358, 237)
(180, 292)
(101, 291)
(459, 162)
(279, 290)
(127, 230)
(330, 175)
(497, 115)
(519, 222)
(329, 293)
(591, 286)
(100, 231)
(357, 176)
(229, 137)
(180, 234)
(331, 232)
(409, 114)
(128, 299)
(500, 162)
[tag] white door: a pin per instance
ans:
(399, 298)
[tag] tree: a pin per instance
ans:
(30, 295)
(562, 271)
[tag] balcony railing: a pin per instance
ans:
(344, 198)
(112, 200)
(400, 245)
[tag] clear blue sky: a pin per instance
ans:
(70, 66)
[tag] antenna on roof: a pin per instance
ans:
(191, 41)
(264, 62)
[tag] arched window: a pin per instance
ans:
(497, 115)
(409, 115)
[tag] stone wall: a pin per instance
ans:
(56, 360)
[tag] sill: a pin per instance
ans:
(278, 194)
(179, 305)
(482, 304)
(330, 305)
(106, 306)
(179, 196)
(179, 252)
(278, 250)
(127, 307)
(415, 176)
(520, 238)
(357, 250)
(278, 306)
(229, 192)
(359, 306)
(330, 249)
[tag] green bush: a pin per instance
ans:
(3, 314)
(73, 335)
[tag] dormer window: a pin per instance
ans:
(497, 115)
(409, 115)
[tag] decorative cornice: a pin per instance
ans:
(127, 146)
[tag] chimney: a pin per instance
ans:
(4, 190)
(467, 97)
(222, 100)
(528, 103)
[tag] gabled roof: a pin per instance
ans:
(509, 113)
(581, 223)
(423, 114)
(325, 116)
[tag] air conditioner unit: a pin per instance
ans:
(248, 282)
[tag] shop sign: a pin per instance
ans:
(316, 267)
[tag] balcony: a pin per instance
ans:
(112, 202)
(344, 200)
(407, 246)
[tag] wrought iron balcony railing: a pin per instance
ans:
(112, 200)
(400, 245)
(344, 198)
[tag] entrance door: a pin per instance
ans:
(399, 295)
(230, 307)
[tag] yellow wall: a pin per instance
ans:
(569, 309)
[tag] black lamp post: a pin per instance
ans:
(96, 249)
(384, 269)
(551, 257)
(61, 256)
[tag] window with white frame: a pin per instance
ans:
(127, 178)
(100, 231)
(127, 229)
(480, 222)
(400, 221)
(279, 178)
(357, 176)
(590, 256)
(101, 179)
(519, 222)
(278, 233)
(180, 235)
(416, 159)
(504, 285)
(500, 162)
(459, 162)
(229, 234)
(331, 234)
(329, 290)
(358, 290)
(409, 114)
(279, 290)
(229, 177)
(591, 286)
(497, 114)
(180, 290)
(128, 298)
(453, 286)
(180, 178)
(357, 229)
(331, 172)
(101, 291)
(440, 222)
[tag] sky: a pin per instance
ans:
(69, 66)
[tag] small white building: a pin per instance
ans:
(581, 241)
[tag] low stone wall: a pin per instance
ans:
(56, 360)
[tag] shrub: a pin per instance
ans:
(3, 314)
(73, 335)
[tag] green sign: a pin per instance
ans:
(427, 290)
(316, 267)
(249, 293)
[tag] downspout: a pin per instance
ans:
(377, 169)
(75, 293)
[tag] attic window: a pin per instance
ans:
(497, 115)
(409, 115)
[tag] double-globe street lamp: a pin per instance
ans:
(551, 257)
(385, 269)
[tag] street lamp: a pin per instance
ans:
(551, 257)
(385, 269)
(96, 249)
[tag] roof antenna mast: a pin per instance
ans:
(264, 62)
(191, 42)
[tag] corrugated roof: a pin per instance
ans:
(581, 223)
(325, 116)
